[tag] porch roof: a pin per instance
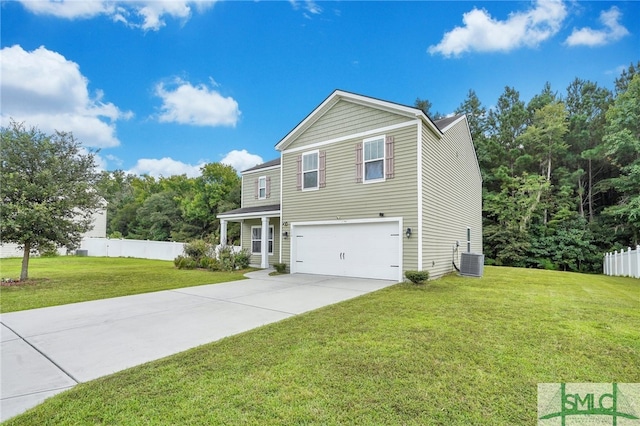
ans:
(251, 212)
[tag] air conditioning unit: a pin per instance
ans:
(472, 264)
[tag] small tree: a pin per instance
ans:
(46, 189)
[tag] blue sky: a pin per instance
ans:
(162, 87)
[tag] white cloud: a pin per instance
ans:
(308, 5)
(147, 15)
(241, 160)
(482, 33)
(613, 31)
(165, 167)
(196, 105)
(44, 89)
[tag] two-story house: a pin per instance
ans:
(364, 188)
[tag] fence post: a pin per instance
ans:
(610, 263)
(638, 261)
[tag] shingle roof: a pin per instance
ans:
(275, 162)
(444, 122)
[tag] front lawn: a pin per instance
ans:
(457, 351)
(68, 279)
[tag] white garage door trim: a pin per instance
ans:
(295, 226)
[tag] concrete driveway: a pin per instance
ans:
(49, 350)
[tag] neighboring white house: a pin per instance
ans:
(364, 188)
(99, 230)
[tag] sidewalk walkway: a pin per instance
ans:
(46, 351)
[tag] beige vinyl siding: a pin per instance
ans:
(256, 259)
(343, 198)
(452, 199)
(344, 119)
(249, 184)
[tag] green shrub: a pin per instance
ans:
(182, 262)
(242, 259)
(226, 258)
(213, 264)
(281, 268)
(417, 277)
(197, 249)
(200, 254)
(48, 250)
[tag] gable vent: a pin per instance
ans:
(472, 264)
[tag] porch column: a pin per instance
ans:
(223, 232)
(264, 249)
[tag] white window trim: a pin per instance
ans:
(272, 231)
(261, 180)
(317, 170)
(384, 159)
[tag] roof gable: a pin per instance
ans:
(338, 95)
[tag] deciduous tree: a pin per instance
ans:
(47, 189)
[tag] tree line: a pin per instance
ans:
(175, 208)
(561, 173)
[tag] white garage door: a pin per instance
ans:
(367, 250)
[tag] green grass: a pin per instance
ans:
(456, 351)
(68, 279)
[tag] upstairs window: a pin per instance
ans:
(262, 188)
(310, 170)
(374, 159)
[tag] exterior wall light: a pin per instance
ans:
(285, 234)
(408, 232)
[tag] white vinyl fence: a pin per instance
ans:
(142, 249)
(623, 263)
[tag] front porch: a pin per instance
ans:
(260, 232)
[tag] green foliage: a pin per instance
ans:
(226, 258)
(417, 277)
(230, 260)
(47, 189)
(175, 208)
(281, 268)
(242, 259)
(201, 254)
(48, 250)
(197, 249)
(183, 262)
(622, 146)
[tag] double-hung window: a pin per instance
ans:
(374, 159)
(256, 240)
(262, 187)
(310, 170)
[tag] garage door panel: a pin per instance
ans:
(369, 250)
